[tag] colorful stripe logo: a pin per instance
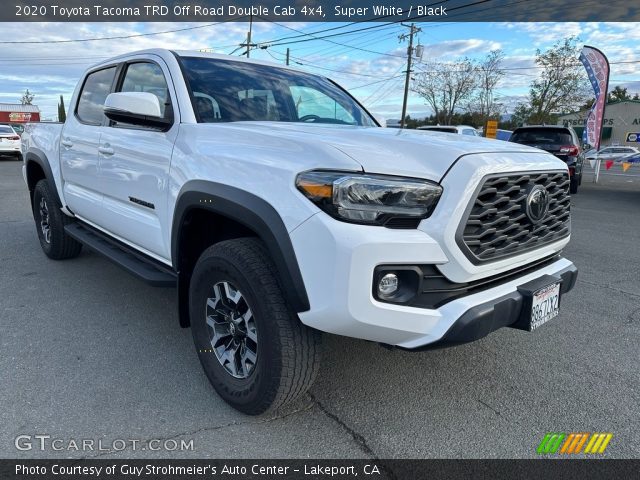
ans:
(573, 443)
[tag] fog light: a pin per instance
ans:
(388, 285)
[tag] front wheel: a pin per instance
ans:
(255, 351)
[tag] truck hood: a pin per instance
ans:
(413, 153)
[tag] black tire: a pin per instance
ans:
(287, 353)
(573, 185)
(57, 245)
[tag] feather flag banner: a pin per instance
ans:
(597, 67)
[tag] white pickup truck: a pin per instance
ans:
(278, 207)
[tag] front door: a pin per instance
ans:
(134, 165)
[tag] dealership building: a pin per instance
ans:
(620, 119)
(18, 114)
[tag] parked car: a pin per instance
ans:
(563, 142)
(611, 153)
(9, 141)
(19, 128)
(458, 129)
(504, 135)
(289, 211)
(633, 158)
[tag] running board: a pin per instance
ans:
(150, 271)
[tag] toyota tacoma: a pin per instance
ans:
(278, 208)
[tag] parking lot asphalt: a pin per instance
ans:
(89, 352)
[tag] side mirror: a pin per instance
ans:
(380, 119)
(135, 108)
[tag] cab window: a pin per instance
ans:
(94, 92)
(148, 77)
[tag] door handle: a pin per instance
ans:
(67, 143)
(106, 150)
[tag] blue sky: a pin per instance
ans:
(51, 69)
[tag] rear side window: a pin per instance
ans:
(94, 92)
(542, 136)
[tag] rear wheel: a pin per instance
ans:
(255, 351)
(50, 222)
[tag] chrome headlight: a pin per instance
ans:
(370, 198)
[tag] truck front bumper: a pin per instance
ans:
(481, 320)
(337, 261)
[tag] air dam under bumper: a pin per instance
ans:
(337, 262)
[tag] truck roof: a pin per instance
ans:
(166, 53)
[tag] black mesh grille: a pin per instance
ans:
(497, 224)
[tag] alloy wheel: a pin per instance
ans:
(44, 221)
(232, 330)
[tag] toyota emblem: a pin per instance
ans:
(537, 203)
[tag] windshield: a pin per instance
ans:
(230, 91)
(4, 129)
(542, 136)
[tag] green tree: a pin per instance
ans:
(588, 104)
(27, 97)
(618, 94)
(562, 85)
(62, 112)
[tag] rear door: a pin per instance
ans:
(79, 146)
(134, 164)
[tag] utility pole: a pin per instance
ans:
(249, 35)
(412, 30)
(287, 56)
(248, 43)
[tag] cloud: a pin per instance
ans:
(52, 69)
(458, 48)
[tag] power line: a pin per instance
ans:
(374, 83)
(272, 44)
(361, 39)
(312, 34)
(304, 63)
(383, 85)
(396, 84)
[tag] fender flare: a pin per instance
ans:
(37, 156)
(254, 213)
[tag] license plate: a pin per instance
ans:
(545, 305)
